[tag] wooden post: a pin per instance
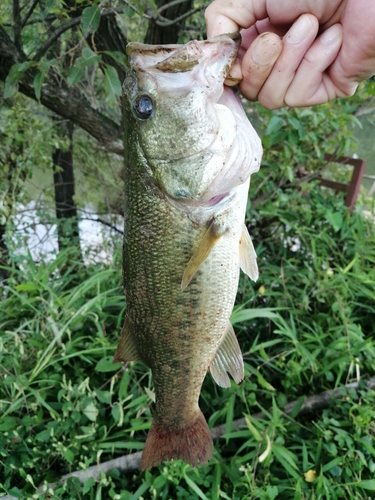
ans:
(352, 188)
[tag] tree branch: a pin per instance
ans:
(165, 22)
(171, 4)
(29, 12)
(54, 36)
(17, 26)
(68, 103)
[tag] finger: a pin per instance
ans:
(296, 42)
(312, 84)
(258, 62)
(356, 59)
(227, 17)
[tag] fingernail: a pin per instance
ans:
(264, 50)
(331, 34)
(300, 29)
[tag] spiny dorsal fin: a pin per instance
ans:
(228, 359)
(210, 237)
(126, 349)
(248, 257)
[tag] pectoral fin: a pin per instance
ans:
(210, 237)
(248, 257)
(126, 349)
(228, 359)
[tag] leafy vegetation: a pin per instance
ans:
(305, 327)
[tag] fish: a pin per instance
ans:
(189, 153)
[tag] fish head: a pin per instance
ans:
(187, 122)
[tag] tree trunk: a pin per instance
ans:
(63, 177)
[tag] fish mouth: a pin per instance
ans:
(183, 58)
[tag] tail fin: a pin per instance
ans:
(192, 443)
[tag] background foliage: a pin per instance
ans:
(305, 327)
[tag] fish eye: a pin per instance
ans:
(143, 107)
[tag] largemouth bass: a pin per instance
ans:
(190, 151)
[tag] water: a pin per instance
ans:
(39, 236)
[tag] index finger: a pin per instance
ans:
(223, 16)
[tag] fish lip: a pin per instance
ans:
(236, 35)
(180, 58)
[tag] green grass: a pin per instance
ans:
(305, 327)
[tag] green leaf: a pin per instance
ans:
(142, 489)
(9, 89)
(38, 80)
(274, 125)
(89, 58)
(15, 492)
(240, 315)
(230, 414)
(117, 414)
(335, 219)
(17, 71)
(287, 459)
(90, 19)
(75, 75)
(69, 456)
(112, 83)
(119, 57)
(195, 487)
(26, 287)
(256, 434)
(333, 463)
(106, 365)
(297, 406)
(88, 484)
(91, 412)
(368, 484)
(7, 424)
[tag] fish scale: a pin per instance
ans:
(183, 245)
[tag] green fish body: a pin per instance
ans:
(190, 151)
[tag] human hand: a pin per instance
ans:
(298, 53)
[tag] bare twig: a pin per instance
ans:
(29, 12)
(55, 35)
(65, 27)
(105, 223)
(165, 22)
(171, 4)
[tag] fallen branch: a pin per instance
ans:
(130, 462)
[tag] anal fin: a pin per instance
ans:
(248, 257)
(228, 359)
(210, 237)
(126, 349)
